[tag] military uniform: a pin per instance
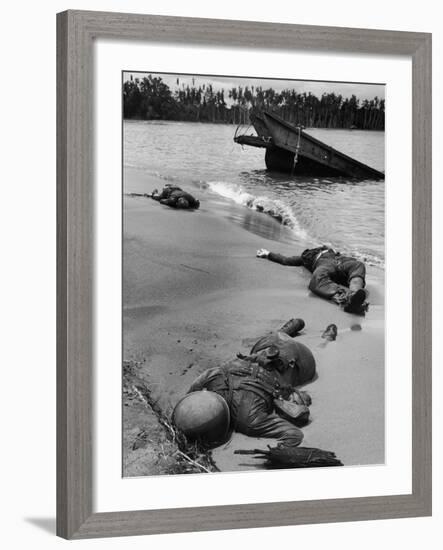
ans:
(170, 196)
(250, 386)
(334, 276)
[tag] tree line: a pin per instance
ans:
(150, 98)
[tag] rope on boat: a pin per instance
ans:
(238, 128)
(297, 148)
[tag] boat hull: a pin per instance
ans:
(280, 160)
(289, 149)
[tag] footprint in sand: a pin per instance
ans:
(186, 369)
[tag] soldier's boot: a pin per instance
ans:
(356, 302)
(330, 333)
(293, 327)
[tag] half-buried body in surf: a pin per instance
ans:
(175, 197)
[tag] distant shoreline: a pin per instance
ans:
(152, 98)
(222, 123)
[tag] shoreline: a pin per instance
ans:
(195, 294)
(218, 122)
(286, 230)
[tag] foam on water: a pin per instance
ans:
(284, 214)
(273, 207)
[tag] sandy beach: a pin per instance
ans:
(194, 294)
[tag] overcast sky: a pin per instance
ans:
(346, 89)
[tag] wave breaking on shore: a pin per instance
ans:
(278, 209)
(281, 212)
(275, 208)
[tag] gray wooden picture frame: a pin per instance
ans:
(76, 32)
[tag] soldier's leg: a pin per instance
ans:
(322, 283)
(354, 273)
(356, 283)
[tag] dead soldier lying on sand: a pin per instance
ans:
(175, 197)
(334, 276)
(172, 196)
(257, 395)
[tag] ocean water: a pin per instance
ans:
(345, 214)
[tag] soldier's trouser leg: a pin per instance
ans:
(352, 272)
(253, 418)
(355, 283)
(322, 282)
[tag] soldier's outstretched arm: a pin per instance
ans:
(279, 258)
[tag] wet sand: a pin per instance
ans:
(194, 294)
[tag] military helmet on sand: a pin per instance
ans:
(202, 415)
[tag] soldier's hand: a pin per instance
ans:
(262, 253)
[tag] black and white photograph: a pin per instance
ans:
(218, 229)
(253, 274)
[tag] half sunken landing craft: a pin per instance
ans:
(290, 149)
